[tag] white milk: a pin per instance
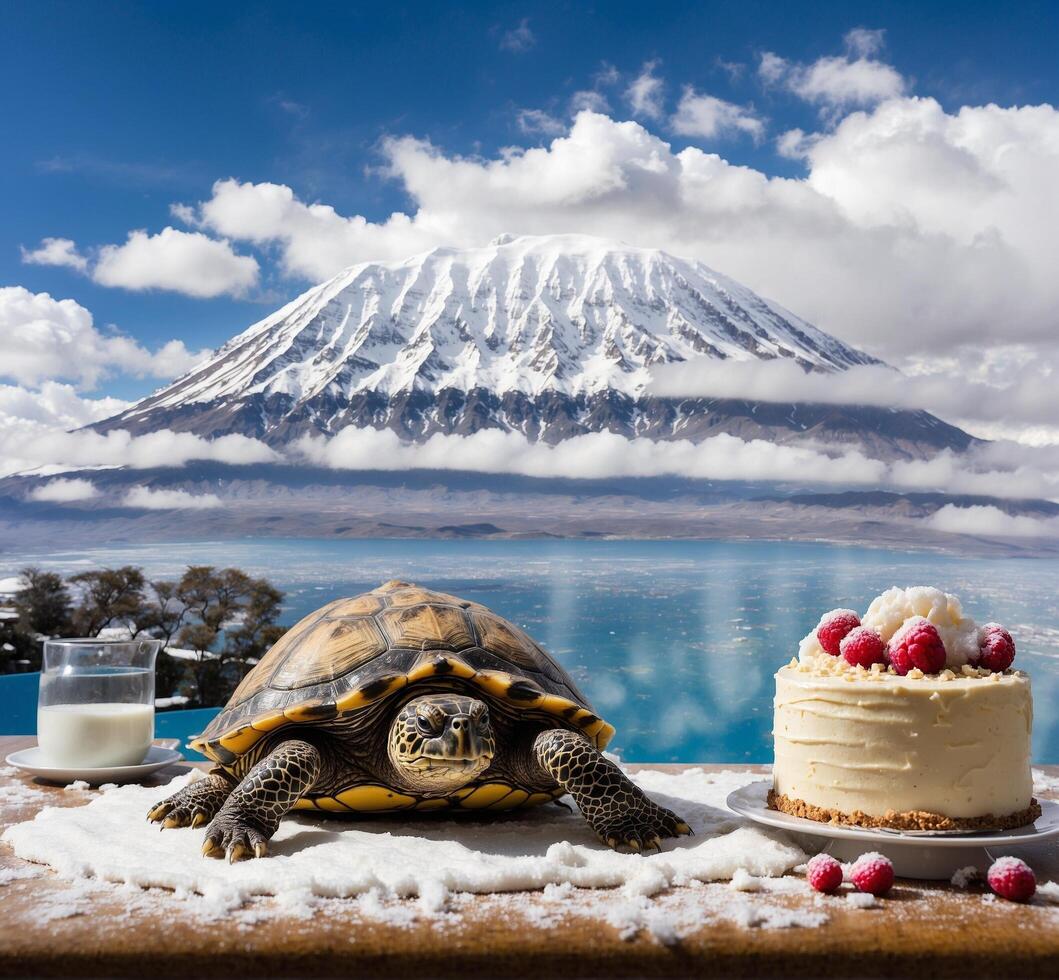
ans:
(94, 736)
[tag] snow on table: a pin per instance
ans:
(433, 861)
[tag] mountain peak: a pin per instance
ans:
(565, 313)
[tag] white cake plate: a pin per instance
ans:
(159, 755)
(919, 854)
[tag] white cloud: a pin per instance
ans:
(992, 522)
(589, 99)
(53, 406)
(533, 121)
(37, 447)
(855, 78)
(603, 455)
(771, 67)
(864, 42)
(149, 499)
(595, 455)
(520, 38)
(42, 338)
(707, 116)
(56, 251)
(63, 491)
(645, 93)
(180, 261)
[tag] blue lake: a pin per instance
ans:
(675, 643)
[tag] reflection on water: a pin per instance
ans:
(674, 642)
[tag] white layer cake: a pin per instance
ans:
(878, 744)
(918, 752)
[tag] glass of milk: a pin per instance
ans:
(96, 704)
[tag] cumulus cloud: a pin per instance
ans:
(519, 38)
(64, 491)
(992, 522)
(179, 261)
(855, 78)
(56, 251)
(43, 339)
(53, 406)
(145, 497)
(706, 116)
(645, 92)
(49, 450)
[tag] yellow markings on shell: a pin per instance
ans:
(603, 736)
(429, 668)
(536, 799)
(356, 699)
(493, 682)
(374, 799)
(436, 803)
(241, 740)
(321, 803)
(514, 799)
(302, 713)
(270, 722)
(485, 795)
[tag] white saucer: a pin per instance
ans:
(32, 761)
(914, 854)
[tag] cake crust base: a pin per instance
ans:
(907, 820)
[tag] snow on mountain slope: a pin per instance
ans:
(547, 335)
(565, 313)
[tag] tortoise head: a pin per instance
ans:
(441, 742)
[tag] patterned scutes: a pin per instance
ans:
(354, 652)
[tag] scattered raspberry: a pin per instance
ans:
(996, 647)
(917, 644)
(872, 873)
(863, 647)
(824, 873)
(1012, 878)
(833, 626)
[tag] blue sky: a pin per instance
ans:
(115, 113)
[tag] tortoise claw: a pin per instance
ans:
(210, 847)
(261, 849)
(684, 830)
(199, 819)
(237, 850)
(157, 812)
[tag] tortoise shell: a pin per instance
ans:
(354, 652)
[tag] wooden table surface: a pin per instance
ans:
(48, 929)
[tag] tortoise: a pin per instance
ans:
(406, 699)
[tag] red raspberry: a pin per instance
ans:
(872, 873)
(833, 626)
(1012, 879)
(863, 647)
(918, 644)
(824, 873)
(996, 648)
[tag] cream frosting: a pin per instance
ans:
(956, 743)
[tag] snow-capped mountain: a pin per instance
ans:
(550, 336)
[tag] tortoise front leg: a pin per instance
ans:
(194, 804)
(617, 810)
(251, 814)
